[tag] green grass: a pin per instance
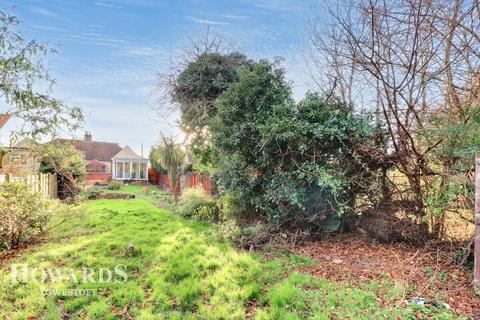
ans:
(178, 269)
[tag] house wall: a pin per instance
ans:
(99, 177)
(19, 162)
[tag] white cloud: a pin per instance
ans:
(107, 5)
(281, 5)
(47, 28)
(233, 16)
(43, 12)
(143, 51)
(206, 21)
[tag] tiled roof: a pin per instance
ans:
(3, 120)
(94, 150)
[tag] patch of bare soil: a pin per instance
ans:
(429, 272)
(7, 255)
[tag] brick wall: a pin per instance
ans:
(94, 177)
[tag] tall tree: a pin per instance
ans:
(207, 68)
(22, 74)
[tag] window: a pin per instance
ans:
(14, 158)
(130, 170)
(135, 171)
(24, 160)
(143, 170)
(127, 170)
(119, 168)
(19, 159)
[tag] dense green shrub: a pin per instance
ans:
(208, 211)
(231, 207)
(23, 214)
(298, 164)
(195, 203)
(190, 200)
(450, 187)
(228, 230)
(114, 185)
(248, 236)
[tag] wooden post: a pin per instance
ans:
(55, 186)
(476, 268)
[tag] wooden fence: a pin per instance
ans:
(44, 183)
(186, 181)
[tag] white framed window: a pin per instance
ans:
(119, 170)
(135, 170)
(19, 159)
(126, 166)
(143, 170)
(132, 169)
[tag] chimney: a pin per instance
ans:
(88, 137)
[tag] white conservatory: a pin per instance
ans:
(127, 165)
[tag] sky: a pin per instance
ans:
(110, 52)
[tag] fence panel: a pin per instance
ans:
(45, 183)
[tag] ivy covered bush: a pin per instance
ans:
(298, 164)
(23, 214)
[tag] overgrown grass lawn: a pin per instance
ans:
(178, 269)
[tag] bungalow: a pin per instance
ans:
(107, 160)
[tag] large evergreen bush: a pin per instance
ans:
(295, 163)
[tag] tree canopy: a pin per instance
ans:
(198, 86)
(22, 75)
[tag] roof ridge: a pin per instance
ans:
(100, 150)
(81, 140)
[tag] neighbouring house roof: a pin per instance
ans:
(94, 150)
(3, 120)
(127, 153)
